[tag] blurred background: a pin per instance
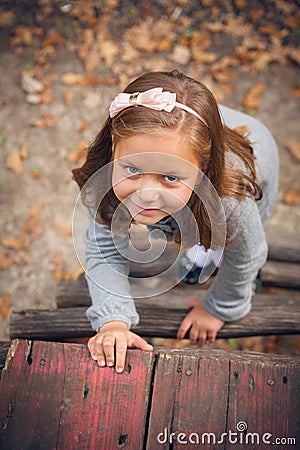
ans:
(61, 65)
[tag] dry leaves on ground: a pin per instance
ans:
(292, 197)
(5, 302)
(294, 149)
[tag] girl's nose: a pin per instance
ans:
(147, 191)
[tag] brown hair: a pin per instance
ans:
(211, 142)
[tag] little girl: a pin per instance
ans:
(164, 136)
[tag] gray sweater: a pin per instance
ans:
(229, 296)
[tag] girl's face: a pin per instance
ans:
(154, 176)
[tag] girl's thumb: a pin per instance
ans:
(143, 345)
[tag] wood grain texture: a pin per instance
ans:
(265, 396)
(54, 396)
(189, 396)
(161, 316)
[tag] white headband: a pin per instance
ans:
(153, 98)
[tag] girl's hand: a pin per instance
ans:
(109, 345)
(203, 326)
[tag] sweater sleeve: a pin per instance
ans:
(107, 276)
(229, 296)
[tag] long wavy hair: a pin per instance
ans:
(211, 143)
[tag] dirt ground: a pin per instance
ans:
(45, 127)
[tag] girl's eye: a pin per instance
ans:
(131, 170)
(171, 178)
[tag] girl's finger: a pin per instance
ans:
(121, 347)
(108, 345)
(202, 337)
(194, 334)
(184, 327)
(211, 336)
(98, 351)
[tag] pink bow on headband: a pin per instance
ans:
(153, 98)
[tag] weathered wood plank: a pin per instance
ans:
(283, 248)
(189, 396)
(281, 274)
(75, 292)
(55, 396)
(259, 389)
(4, 346)
(264, 401)
(161, 316)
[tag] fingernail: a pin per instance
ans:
(110, 364)
(119, 369)
(101, 363)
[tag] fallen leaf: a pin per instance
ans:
(52, 39)
(108, 50)
(78, 153)
(214, 27)
(69, 97)
(23, 36)
(181, 55)
(204, 57)
(24, 152)
(70, 78)
(62, 228)
(5, 302)
(164, 45)
(58, 260)
(33, 226)
(140, 37)
(293, 53)
(292, 197)
(261, 61)
(6, 260)
(36, 174)
(22, 259)
(33, 99)
(240, 4)
(84, 126)
(14, 162)
(223, 74)
(60, 275)
(37, 207)
(294, 149)
(253, 97)
(17, 243)
(6, 18)
(31, 85)
(46, 120)
(295, 91)
(46, 96)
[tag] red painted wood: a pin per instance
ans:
(54, 396)
(58, 397)
(264, 394)
(189, 396)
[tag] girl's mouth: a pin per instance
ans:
(145, 211)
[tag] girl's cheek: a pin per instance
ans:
(122, 189)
